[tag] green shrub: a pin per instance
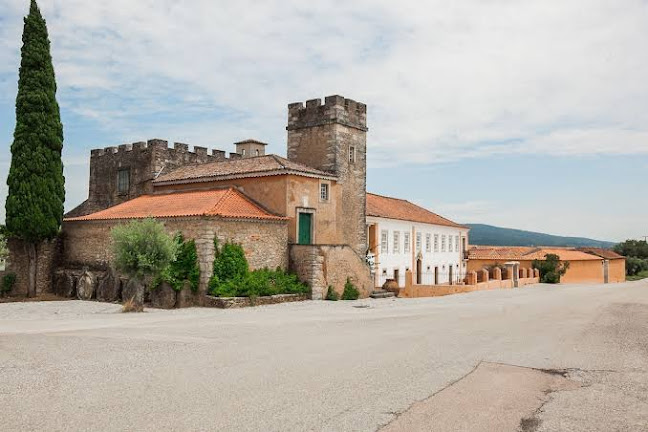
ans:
(634, 266)
(259, 283)
(8, 281)
(551, 268)
(229, 262)
(350, 291)
(142, 248)
(331, 294)
(183, 269)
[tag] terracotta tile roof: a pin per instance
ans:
(603, 253)
(236, 168)
(499, 252)
(227, 203)
(520, 253)
(394, 208)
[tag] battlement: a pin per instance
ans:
(160, 145)
(335, 109)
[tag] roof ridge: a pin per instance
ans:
(276, 158)
(221, 200)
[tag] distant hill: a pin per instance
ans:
(494, 236)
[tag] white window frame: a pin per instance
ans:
(419, 242)
(443, 243)
(352, 154)
(428, 243)
(407, 248)
(457, 246)
(328, 192)
(384, 242)
(396, 244)
(450, 242)
(436, 243)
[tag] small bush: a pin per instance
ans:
(350, 291)
(183, 269)
(142, 248)
(551, 268)
(131, 306)
(332, 295)
(229, 262)
(258, 283)
(8, 281)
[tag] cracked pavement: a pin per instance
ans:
(324, 366)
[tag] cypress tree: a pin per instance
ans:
(34, 207)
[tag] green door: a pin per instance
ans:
(305, 221)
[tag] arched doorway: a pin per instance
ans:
(419, 271)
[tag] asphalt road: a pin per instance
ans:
(541, 358)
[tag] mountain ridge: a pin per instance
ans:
(489, 235)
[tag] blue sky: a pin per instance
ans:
(531, 115)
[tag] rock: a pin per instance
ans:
(391, 286)
(86, 286)
(109, 287)
(185, 297)
(64, 284)
(163, 297)
(134, 290)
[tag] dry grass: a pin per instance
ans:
(131, 306)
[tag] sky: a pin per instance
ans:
(522, 114)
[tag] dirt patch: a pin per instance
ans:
(492, 397)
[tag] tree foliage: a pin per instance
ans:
(184, 268)
(551, 268)
(634, 266)
(633, 248)
(229, 262)
(34, 207)
(142, 248)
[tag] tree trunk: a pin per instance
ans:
(33, 260)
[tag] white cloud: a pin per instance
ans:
(443, 80)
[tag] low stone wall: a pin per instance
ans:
(321, 266)
(241, 302)
(414, 291)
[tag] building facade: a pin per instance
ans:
(406, 237)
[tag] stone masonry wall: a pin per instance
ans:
(145, 161)
(48, 252)
(321, 266)
(88, 243)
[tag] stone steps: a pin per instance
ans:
(381, 294)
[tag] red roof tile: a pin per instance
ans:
(236, 168)
(394, 208)
(521, 253)
(603, 253)
(227, 203)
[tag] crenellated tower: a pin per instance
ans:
(332, 137)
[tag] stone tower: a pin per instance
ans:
(332, 137)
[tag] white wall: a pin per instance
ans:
(401, 260)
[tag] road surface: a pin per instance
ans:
(539, 358)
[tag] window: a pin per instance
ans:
(243, 152)
(408, 243)
(256, 152)
(384, 241)
(428, 243)
(450, 243)
(352, 154)
(324, 191)
(396, 248)
(443, 243)
(457, 243)
(436, 242)
(123, 181)
(418, 242)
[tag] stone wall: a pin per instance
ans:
(332, 137)
(144, 160)
(321, 266)
(48, 253)
(88, 243)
